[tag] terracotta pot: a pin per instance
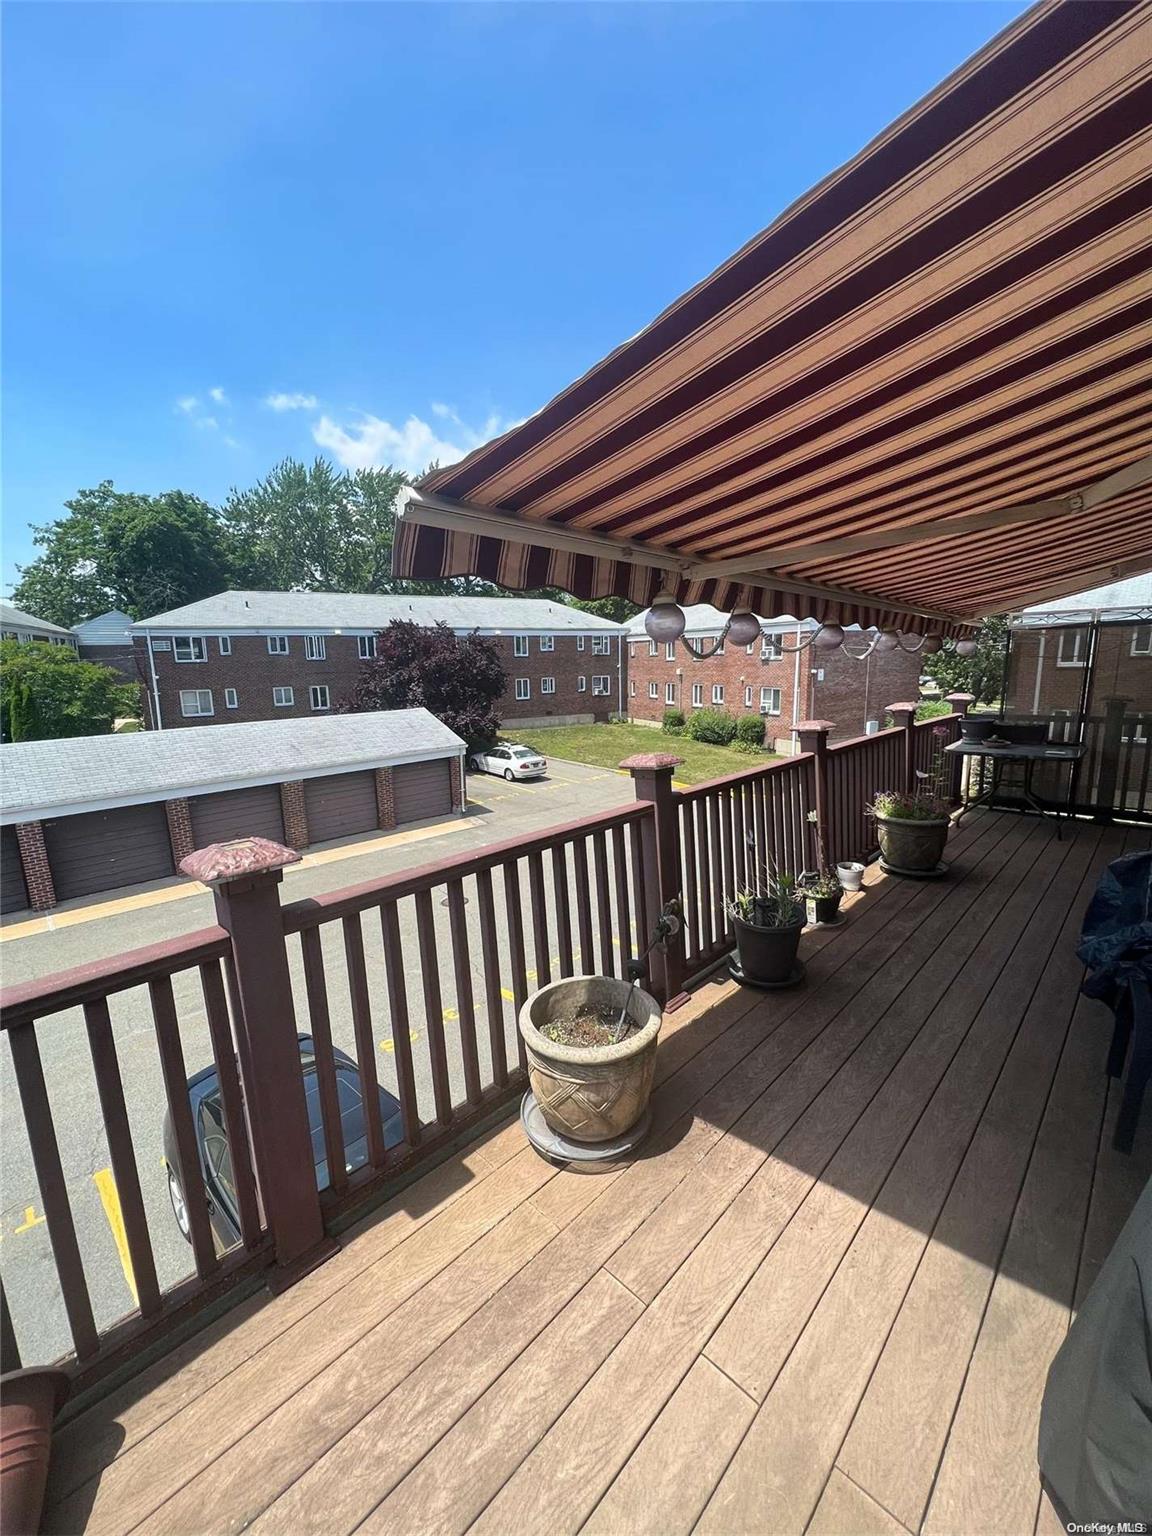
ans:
(29, 1401)
(591, 1093)
(850, 875)
(912, 845)
(767, 955)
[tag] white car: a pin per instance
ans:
(509, 760)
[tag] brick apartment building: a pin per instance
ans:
(271, 655)
(768, 678)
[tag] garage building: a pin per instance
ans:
(97, 813)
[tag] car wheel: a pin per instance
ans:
(473, 765)
(509, 775)
(179, 1208)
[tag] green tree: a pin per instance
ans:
(982, 673)
(46, 691)
(120, 549)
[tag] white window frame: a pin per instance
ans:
(717, 693)
(286, 699)
(523, 689)
(581, 685)
(653, 690)
(1077, 659)
(653, 648)
(278, 645)
(225, 643)
(747, 695)
(601, 685)
(670, 650)
(771, 648)
(319, 696)
(314, 648)
(547, 685)
(719, 651)
(771, 701)
(197, 648)
(631, 689)
(519, 645)
(670, 693)
(579, 642)
(602, 645)
(1146, 648)
(231, 699)
(199, 694)
(366, 647)
(697, 695)
(547, 643)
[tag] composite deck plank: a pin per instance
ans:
(845, 1510)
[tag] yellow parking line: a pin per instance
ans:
(110, 1200)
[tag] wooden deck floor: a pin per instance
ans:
(824, 1300)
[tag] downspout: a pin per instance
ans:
(158, 721)
(1039, 673)
(796, 693)
(619, 674)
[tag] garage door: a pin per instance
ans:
(13, 896)
(422, 789)
(340, 804)
(252, 812)
(106, 849)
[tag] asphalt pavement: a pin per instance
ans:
(497, 811)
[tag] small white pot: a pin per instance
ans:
(850, 874)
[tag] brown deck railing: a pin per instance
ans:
(438, 960)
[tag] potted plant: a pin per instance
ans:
(768, 919)
(591, 1048)
(912, 827)
(822, 894)
(850, 873)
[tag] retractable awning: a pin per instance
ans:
(922, 395)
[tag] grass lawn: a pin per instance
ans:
(605, 746)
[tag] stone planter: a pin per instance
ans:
(767, 955)
(29, 1402)
(910, 846)
(591, 1093)
(851, 875)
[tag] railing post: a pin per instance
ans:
(1111, 745)
(903, 716)
(812, 736)
(244, 876)
(961, 703)
(660, 840)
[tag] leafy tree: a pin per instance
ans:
(982, 673)
(460, 678)
(618, 609)
(46, 691)
(119, 549)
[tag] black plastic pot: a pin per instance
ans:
(767, 955)
(823, 909)
(977, 727)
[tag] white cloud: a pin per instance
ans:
(218, 396)
(290, 402)
(371, 442)
(188, 404)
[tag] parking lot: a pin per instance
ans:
(79, 933)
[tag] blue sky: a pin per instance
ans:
(381, 231)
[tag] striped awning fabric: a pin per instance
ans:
(906, 401)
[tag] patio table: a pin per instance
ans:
(1028, 753)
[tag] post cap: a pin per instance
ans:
(960, 698)
(649, 761)
(238, 859)
(896, 708)
(814, 725)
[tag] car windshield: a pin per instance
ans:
(523, 752)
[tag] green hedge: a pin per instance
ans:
(673, 722)
(750, 730)
(711, 725)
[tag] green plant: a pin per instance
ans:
(931, 709)
(919, 805)
(821, 885)
(773, 900)
(711, 725)
(673, 722)
(750, 731)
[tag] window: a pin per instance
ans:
(189, 648)
(230, 699)
(770, 648)
(225, 643)
(519, 645)
(547, 685)
(1073, 647)
(318, 696)
(631, 690)
(314, 648)
(602, 685)
(669, 693)
(523, 688)
(697, 695)
(283, 697)
(579, 642)
(277, 645)
(582, 685)
(196, 701)
(653, 690)
(602, 645)
(1142, 640)
(750, 648)
(769, 701)
(670, 650)
(366, 647)
(719, 651)
(653, 648)
(717, 693)
(547, 642)
(748, 696)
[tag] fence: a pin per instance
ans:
(441, 958)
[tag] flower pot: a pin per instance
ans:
(851, 875)
(767, 955)
(977, 727)
(911, 846)
(822, 909)
(29, 1401)
(591, 1093)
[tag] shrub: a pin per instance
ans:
(750, 731)
(673, 721)
(711, 725)
(930, 709)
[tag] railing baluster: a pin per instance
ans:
(121, 1154)
(53, 1192)
(603, 904)
(401, 1023)
(740, 847)
(563, 913)
(636, 849)
(708, 931)
(539, 919)
(515, 916)
(235, 1120)
(582, 892)
(179, 1107)
(718, 893)
(365, 1042)
(623, 903)
(317, 994)
(465, 1002)
(433, 1006)
(9, 1349)
(490, 951)
(691, 889)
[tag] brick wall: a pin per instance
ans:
(179, 829)
(254, 673)
(294, 809)
(34, 858)
(1117, 673)
(120, 658)
(457, 779)
(852, 692)
(385, 800)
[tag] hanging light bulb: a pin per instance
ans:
(932, 644)
(664, 621)
(743, 627)
(965, 647)
(888, 640)
(829, 637)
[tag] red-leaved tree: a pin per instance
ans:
(458, 677)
